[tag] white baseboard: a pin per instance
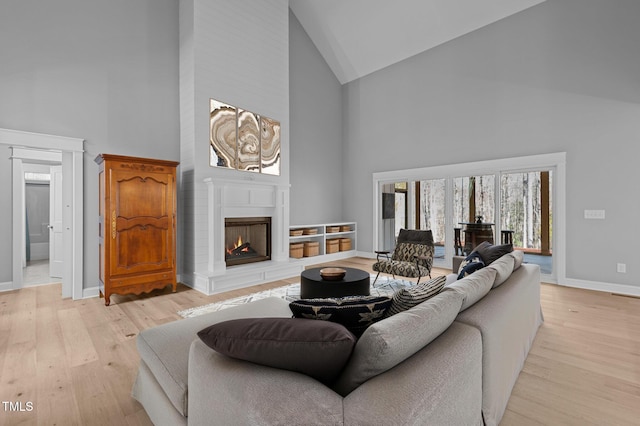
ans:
(6, 286)
(90, 292)
(366, 254)
(628, 290)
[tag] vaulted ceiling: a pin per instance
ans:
(358, 37)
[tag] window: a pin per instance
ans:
(515, 195)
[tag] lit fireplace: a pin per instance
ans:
(247, 240)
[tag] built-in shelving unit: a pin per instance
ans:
(321, 233)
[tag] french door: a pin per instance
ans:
(516, 204)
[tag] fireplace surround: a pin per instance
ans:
(243, 200)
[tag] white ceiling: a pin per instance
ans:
(358, 37)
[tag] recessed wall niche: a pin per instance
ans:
(243, 140)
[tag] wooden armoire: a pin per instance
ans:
(137, 224)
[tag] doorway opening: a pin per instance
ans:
(27, 147)
(43, 240)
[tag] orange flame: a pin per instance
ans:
(238, 243)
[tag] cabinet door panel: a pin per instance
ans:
(141, 195)
(142, 221)
(143, 248)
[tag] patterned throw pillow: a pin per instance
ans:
(407, 298)
(356, 313)
(470, 264)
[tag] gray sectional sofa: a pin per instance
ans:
(451, 360)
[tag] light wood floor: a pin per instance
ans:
(76, 360)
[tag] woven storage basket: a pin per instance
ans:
(311, 248)
(333, 246)
(296, 250)
(345, 244)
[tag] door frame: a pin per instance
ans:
(35, 146)
(553, 161)
(56, 251)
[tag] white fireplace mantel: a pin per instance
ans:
(245, 198)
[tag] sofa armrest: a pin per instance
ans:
(232, 391)
(508, 319)
(439, 385)
(457, 260)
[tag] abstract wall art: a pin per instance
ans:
(222, 134)
(270, 146)
(248, 141)
(243, 140)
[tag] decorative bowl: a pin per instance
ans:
(332, 274)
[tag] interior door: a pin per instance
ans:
(56, 253)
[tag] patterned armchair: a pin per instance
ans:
(412, 257)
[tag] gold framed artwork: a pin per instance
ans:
(243, 140)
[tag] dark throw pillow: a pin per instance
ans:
(319, 349)
(408, 297)
(470, 264)
(354, 312)
(490, 253)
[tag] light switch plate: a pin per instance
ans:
(594, 214)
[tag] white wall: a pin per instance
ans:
(316, 133)
(104, 71)
(560, 76)
(236, 52)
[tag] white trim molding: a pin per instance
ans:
(29, 146)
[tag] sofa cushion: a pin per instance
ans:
(354, 312)
(491, 253)
(392, 340)
(408, 297)
(318, 349)
(470, 264)
(503, 267)
(165, 348)
(518, 257)
(473, 287)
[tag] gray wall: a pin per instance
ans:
(105, 71)
(561, 76)
(316, 133)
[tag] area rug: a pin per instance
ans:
(291, 292)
